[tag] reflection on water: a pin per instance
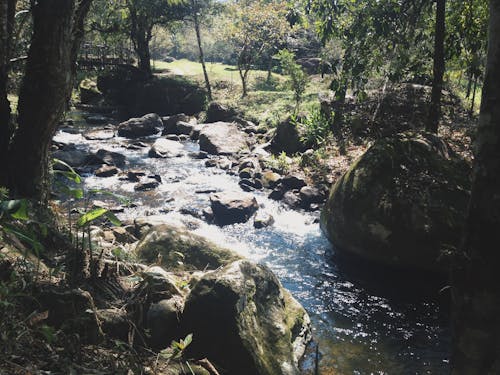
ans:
(365, 319)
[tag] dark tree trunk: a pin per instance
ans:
(202, 57)
(7, 11)
(476, 278)
(438, 70)
(143, 53)
(141, 35)
(45, 91)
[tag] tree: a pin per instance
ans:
(438, 69)
(258, 29)
(44, 94)
(476, 296)
(200, 9)
(7, 12)
(143, 16)
(298, 79)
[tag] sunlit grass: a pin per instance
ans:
(266, 103)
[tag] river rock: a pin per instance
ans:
(270, 179)
(164, 148)
(293, 182)
(401, 203)
(309, 195)
(244, 309)
(111, 158)
(147, 184)
(263, 220)
(74, 158)
(177, 248)
(106, 171)
(171, 123)
(141, 126)
(99, 135)
(233, 207)
(222, 138)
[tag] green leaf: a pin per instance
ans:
(17, 208)
(91, 216)
(114, 220)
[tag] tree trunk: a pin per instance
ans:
(140, 35)
(45, 90)
(202, 58)
(438, 70)
(7, 11)
(471, 111)
(476, 277)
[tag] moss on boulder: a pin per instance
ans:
(177, 248)
(246, 322)
(402, 203)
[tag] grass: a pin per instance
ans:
(267, 103)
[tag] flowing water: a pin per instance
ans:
(366, 320)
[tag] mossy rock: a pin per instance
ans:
(245, 322)
(402, 203)
(177, 248)
(89, 93)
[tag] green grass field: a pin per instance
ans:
(266, 103)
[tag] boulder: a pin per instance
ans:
(140, 127)
(222, 138)
(233, 207)
(244, 309)
(137, 93)
(162, 320)
(402, 203)
(270, 179)
(164, 148)
(287, 137)
(309, 194)
(177, 248)
(263, 220)
(111, 158)
(74, 158)
(170, 123)
(219, 112)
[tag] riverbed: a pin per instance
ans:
(366, 320)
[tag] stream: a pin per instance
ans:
(366, 320)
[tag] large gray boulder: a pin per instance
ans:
(244, 321)
(233, 207)
(177, 248)
(149, 124)
(402, 203)
(222, 138)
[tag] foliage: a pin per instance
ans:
(259, 29)
(316, 128)
(280, 163)
(298, 79)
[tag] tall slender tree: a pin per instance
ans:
(476, 279)
(7, 12)
(438, 68)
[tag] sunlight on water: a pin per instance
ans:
(364, 322)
